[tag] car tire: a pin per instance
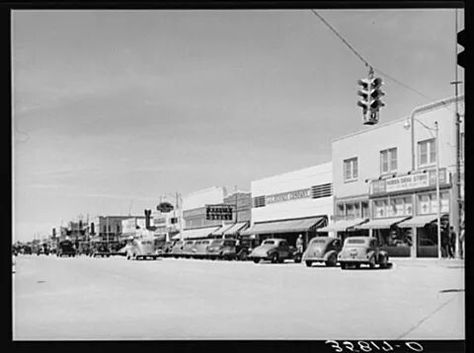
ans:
(297, 259)
(275, 258)
(309, 263)
(384, 262)
(332, 261)
(256, 260)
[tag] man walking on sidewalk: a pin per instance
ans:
(452, 242)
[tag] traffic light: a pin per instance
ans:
(461, 37)
(370, 102)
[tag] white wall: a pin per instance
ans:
(367, 144)
(295, 180)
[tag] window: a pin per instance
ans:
(428, 204)
(340, 209)
(323, 190)
(388, 160)
(400, 206)
(461, 147)
(380, 208)
(426, 152)
(259, 201)
(365, 209)
(350, 169)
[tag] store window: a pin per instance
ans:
(340, 209)
(350, 210)
(350, 169)
(400, 206)
(428, 203)
(364, 209)
(388, 160)
(380, 208)
(426, 152)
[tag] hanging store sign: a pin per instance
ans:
(287, 196)
(408, 182)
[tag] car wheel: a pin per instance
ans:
(243, 256)
(274, 258)
(298, 259)
(372, 262)
(129, 257)
(332, 261)
(384, 262)
(256, 260)
(309, 263)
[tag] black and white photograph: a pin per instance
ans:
(238, 174)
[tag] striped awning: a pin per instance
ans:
(196, 233)
(384, 223)
(236, 228)
(287, 226)
(221, 230)
(342, 225)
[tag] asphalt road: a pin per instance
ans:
(112, 298)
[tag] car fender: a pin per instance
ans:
(330, 253)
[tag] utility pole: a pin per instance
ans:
(459, 208)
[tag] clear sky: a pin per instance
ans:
(114, 108)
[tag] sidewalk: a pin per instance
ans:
(426, 262)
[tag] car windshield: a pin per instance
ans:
(217, 242)
(205, 242)
(356, 241)
(189, 243)
(269, 242)
(318, 241)
(229, 243)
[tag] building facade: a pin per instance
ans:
(385, 180)
(291, 204)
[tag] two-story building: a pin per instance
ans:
(385, 180)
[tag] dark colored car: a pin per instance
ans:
(102, 250)
(275, 250)
(322, 249)
(223, 249)
(66, 248)
(362, 250)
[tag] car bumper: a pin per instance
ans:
(314, 258)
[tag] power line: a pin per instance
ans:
(366, 63)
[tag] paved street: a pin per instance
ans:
(112, 298)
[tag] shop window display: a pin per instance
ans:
(396, 241)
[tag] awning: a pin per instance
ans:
(342, 225)
(236, 228)
(417, 221)
(221, 230)
(384, 223)
(289, 226)
(196, 233)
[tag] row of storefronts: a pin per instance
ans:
(382, 181)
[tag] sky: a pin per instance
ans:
(114, 109)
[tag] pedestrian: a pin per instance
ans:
(452, 242)
(299, 243)
(444, 243)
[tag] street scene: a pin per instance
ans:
(238, 174)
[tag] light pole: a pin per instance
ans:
(411, 124)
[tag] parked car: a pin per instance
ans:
(177, 249)
(200, 247)
(188, 248)
(275, 250)
(142, 249)
(66, 248)
(362, 250)
(167, 248)
(223, 249)
(101, 249)
(322, 249)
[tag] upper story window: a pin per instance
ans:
(388, 160)
(350, 169)
(461, 147)
(426, 152)
(259, 201)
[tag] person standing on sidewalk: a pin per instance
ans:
(452, 242)
(299, 243)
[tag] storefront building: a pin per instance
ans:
(385, 180)
(196, 224)
(291, 204)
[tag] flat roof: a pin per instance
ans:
(429, 106)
